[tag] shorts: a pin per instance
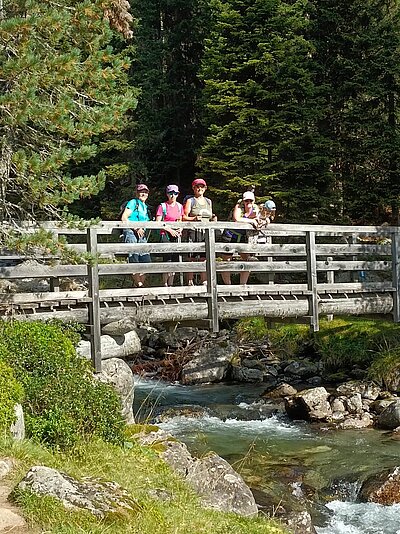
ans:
(136, 257)
(165, 238)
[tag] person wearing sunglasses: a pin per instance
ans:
(245, 211)
(170, 211)
(197, 208)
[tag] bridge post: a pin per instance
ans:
(396, 275)
(312, 280)
(212, 300)
(94, 303)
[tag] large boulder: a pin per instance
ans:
(382, 488)
(309, 404)
(118, 374)
(211, 365)
(390, 417)
(220, 487)
(98, 497)
(217, 483)
(119, 347)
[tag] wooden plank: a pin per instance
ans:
(312, 281)
(42, 271)
(212, 300)
(94, 304)
(352, 249)
(330, 279)
(396, 275)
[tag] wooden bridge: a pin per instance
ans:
(301, 271)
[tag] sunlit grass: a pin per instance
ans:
(139, 470)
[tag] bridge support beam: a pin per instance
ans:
(312, 280)
(396, 275)
(94, 303)
(212, 300)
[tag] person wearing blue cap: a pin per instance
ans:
(268, 211)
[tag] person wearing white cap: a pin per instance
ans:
(245, 211)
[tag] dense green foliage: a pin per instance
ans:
(62, 86)
(341, 344)
(63, 402)
(297, 98)
(11, 393)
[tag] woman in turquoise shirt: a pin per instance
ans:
(136, 210)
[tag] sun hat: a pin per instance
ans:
(270, 205)
(172, 189)
(142, 187)
(249, 195)
(199, 181)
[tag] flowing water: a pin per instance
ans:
(280, 459)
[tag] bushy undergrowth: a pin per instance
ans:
(342, 344)
(63, 402)
(11, 393)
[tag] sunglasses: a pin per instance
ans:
(143, 192)
(170, 193)
(199, 186)
(249, 200)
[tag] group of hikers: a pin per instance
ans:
(196, 207)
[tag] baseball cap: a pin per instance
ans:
(249, 195)
(270, 205)
(142, 187)
(172, 189)
(199, 181)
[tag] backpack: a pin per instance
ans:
(125, 203)
(192, 199)
(164, 209)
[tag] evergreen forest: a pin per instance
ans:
(299, 99)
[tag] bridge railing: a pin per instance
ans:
(299, 270)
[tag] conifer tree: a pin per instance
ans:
(262, 107)
(357, 58)
(169, 42)
(62, 86)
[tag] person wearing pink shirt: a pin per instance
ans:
(170, 211)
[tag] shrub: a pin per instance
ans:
(63, 402)
(290, 340)
(11, 393)
(251, 328)
(385, 369)
(356, 341)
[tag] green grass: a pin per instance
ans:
(138, 469)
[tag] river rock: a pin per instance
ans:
(390, 417)
(119, 328)
(120, 347)
(367, 390)
(379, 405)
(283, 390)
(361, 421)
(220, 487)
(382, 488)
(98, 497)
(300, 523)
(354, 403)
(245, 374)
(301, 369)
(217, 483)
(6, 465)
(17, 428)
(210, 366)
(309, 404)
(118, 374)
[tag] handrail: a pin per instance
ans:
(307, 254)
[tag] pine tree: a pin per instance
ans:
(62, 87)
(357, 46)
(169, 43)
(262, 108)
